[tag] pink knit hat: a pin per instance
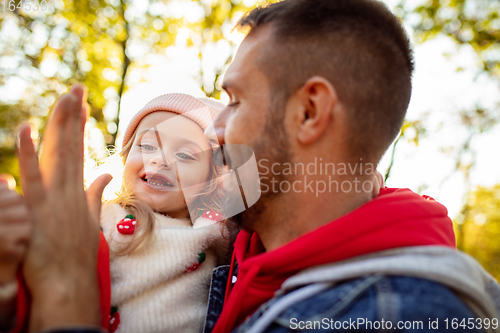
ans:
(201, 110)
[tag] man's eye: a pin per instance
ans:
(147, 147)
(233, 104)
(184, 156)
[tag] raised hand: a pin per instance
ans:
(60, 266)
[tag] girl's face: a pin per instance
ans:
(168, 163)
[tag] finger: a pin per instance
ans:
(86, 112)
(14, 214)
(14, 234)
(94, 195)
(84, 120)
(75, 128)
(9, 198)
(55, 142)
(5, 178)
(32, 183)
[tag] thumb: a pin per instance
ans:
(94, 194)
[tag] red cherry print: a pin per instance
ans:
(211, 215)
(114, 321)
(193, 268)
(201, 258)
(127, 225)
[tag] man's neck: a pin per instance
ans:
(296, 214)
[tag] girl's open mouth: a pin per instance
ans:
(157, 181)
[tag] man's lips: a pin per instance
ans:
(157, 180)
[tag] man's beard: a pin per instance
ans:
(272, 145)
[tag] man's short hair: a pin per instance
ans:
(358, 45)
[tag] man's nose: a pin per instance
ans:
(159, 161)
(215, 132)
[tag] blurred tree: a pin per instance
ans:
(468, 22)
(97, 42)
(474, 23)
(478, 228)
(411, 131)
(10, 117)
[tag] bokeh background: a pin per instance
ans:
(130, 51)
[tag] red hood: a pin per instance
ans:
(396, 218)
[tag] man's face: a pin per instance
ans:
(243, 120)
(248, 120)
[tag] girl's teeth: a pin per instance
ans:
(157, 184)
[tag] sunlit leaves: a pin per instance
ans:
(475, 22)
(478, 227)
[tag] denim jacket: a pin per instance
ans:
(415, 289)
(372, 303)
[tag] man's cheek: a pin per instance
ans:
(234, 130)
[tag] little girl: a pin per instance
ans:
(160, 261)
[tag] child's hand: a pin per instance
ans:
(15, 230)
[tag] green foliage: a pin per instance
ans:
(478, 228)
(473, 22)
(10, 117)
(468, 22)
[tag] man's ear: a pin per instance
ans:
(317, 98)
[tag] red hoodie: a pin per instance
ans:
(397, 218)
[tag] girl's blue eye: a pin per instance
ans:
(147, 147)
(184, 156)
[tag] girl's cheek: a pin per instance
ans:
(186, 179)
(192, 176)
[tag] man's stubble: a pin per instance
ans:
(272, 145)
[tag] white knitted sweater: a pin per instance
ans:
(150, 286)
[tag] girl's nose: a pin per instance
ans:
(160, 161)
